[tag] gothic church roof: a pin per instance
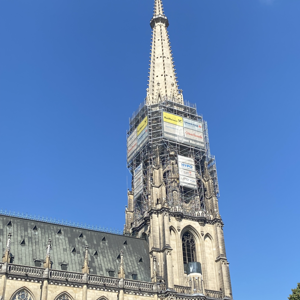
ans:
(30, 238)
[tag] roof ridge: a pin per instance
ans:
(63, 223)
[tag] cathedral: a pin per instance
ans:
(172, 246)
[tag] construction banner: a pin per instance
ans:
(191, 124)
(142, 126)
(173, 119)
(131, 138)
(187, 172)
(173, 129)
(138, 180)
(193, 135)
(143, 135)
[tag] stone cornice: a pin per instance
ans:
(217, 221)
(221, 257)
(179, 215)
(176, 214)
(173, 295)
(157, 250)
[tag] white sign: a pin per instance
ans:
(195, 143)
(175, 137)
(137, 139)
(131, 144)
(138, 191)
(138, 170)
(187, 180)
(191, 124)
(131, 138)
(131, 149)
(173, 129)
(187, 174)
(185, 159)
(143, 135)
(138, 180)
(186, 166)
(193, 135)
(183, 130)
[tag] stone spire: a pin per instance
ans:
(121, 272)
(47, 264)
(85, 268)
(6, 257)
(162, 83)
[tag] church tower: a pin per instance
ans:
(173, 203)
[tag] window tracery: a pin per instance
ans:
(22, 295)
(188, 248)
(63, 297)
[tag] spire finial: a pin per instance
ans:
(121, 272)
(85, 268)
(47, 264)
(8, 241)
(158, 8)
(49, 247)
(6, 256)
(162, 75)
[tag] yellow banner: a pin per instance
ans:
(142, 126)
(173, 119)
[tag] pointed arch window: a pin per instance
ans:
(22, 295)
(188, 248)
(63, 297)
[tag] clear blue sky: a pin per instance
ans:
(72, 73)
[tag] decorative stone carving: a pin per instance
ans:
(24, 295)
(208, 183)
(211, 201)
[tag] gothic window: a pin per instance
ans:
(188, 248)
(22, 295)
(63, 297)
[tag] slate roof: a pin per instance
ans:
(29, 242)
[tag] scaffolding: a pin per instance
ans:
(179, 198)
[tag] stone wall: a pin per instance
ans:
(210, 249)
(71, 291)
